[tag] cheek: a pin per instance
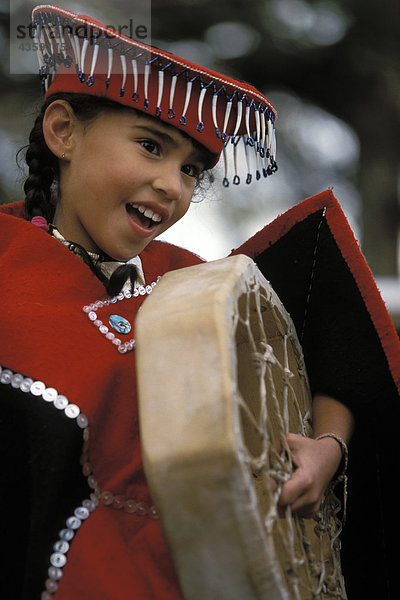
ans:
(180, 212)
(185, 202)
(107, 186)
(106, 165)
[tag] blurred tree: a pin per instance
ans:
(357, 78)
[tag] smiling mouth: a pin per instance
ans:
(143, 216)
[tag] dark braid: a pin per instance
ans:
(43, 171)
(117, 280)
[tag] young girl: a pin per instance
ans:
(125, 135)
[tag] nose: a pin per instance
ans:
(167, 180)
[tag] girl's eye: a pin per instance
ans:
(191, 170)
(151, 146)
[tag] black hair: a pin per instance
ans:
(41, 185)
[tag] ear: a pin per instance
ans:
(59, 128)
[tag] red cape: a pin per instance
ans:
(352, 352)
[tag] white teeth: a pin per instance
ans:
(147, 212)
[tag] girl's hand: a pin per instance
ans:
(317, 462)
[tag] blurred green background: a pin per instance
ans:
(331, 68)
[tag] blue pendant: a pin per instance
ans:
(119, 324)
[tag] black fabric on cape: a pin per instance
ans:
(34, 481)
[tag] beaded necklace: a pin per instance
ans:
(118, 323)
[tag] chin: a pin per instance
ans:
(123, 255)
(125, 249)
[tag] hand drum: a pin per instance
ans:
(221, 381)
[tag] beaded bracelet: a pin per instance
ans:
(343, 474)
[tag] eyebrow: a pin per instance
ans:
(197, 153)
(158, 133)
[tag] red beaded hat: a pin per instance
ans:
(79, 54)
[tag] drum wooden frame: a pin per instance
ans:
(221, 381)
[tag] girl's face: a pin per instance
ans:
(127, 178)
